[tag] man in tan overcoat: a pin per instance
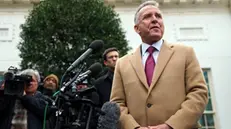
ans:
(161, 84)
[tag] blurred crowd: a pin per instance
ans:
(27, 111)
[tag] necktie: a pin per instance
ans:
(150, 65)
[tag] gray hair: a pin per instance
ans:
(146, 3)
(31, 72)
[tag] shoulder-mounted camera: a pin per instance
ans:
(14, 82)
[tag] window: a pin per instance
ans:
(6, 32)
(207, 120)
(192, 32)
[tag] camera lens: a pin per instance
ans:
(8, 76)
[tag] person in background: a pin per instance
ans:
(104, 83)
(51, 84)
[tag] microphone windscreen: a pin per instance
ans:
(95, 69)
(111, 118)
(96, 45)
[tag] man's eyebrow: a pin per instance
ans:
(159, 13)
(146, 14)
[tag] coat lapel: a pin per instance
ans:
(163, 58)
(136, 61)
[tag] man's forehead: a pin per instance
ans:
(148, 7)
(50, 78)
(112, 52)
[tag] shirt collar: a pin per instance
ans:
(157, 45)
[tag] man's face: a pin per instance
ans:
(150, 24)
(50, 83)
(32, 88)
(111, 59)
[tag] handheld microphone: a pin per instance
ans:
(96, 45)
(93, 70)
(111, 118)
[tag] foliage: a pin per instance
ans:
(57, 32)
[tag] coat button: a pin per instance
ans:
(149, 105)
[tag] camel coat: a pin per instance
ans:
(177, 95)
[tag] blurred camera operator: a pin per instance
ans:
(24, 112)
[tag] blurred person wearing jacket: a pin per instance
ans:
(23, 112)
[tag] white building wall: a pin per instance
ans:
(11, 17)
(213, 49)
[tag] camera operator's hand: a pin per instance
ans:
(2, 88)
(2, 85)
(24, 93)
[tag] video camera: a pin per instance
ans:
(14, 82)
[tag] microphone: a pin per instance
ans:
(96, 45)
(93, 70)
(111, 118)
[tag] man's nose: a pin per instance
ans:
(50, 82)
(114, 58)
(154, 19)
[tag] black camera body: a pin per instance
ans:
(15, 83)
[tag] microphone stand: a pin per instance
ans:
(89, 117)
(57, 100)
(67, 95)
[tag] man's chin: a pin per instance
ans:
(156, 37)
(49, 88)
(29, 91)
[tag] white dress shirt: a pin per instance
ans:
(155, 54)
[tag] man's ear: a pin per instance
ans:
(136, 28)
(105, 62)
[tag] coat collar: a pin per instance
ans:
(165, 55)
